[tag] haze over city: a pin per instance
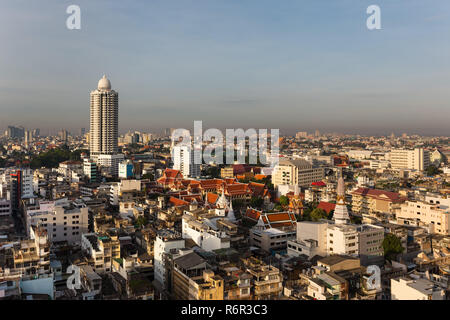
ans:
(231, 64)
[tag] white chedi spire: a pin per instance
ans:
(231, 215)
(222, 202)
(221, 205)
(341, 215)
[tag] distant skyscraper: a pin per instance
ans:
(167, 132)
(63, 134)
(82, 132)
(104, 120)
(15, 132)
(28, 137)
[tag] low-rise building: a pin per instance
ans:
(267, 280)
(64, 221)
(101, 249)
(409, 288)
(425, 214)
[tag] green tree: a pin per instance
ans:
(278, 207)
(392, 246)
(306, 215)
(148, 176)
(355, 219)
(318, 214)
(330, 215)
(432, 170)
(238, 204)
(256, 202)
(141, 221)
(213, 172)
(284, 201)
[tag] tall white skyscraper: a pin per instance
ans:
(184, 160)
(104, 126)
(104, 120)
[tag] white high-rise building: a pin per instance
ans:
(417, 159)
(104, 120)
(184, 160)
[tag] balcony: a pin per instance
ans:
(266, 282)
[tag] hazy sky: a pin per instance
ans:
(289, 64)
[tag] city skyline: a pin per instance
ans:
(231, 65)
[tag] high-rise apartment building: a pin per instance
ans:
(184, 161)
(417, 159)
(104, 120)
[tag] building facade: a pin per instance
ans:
(296, 172)
(104, 119)
(417, 159)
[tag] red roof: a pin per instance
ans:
(212, 197)
(379, 194)
(319, 184)
(252, 214)
(260, 176)
(272, 219)
(326, 206)
(177, 202)
(171, 173)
